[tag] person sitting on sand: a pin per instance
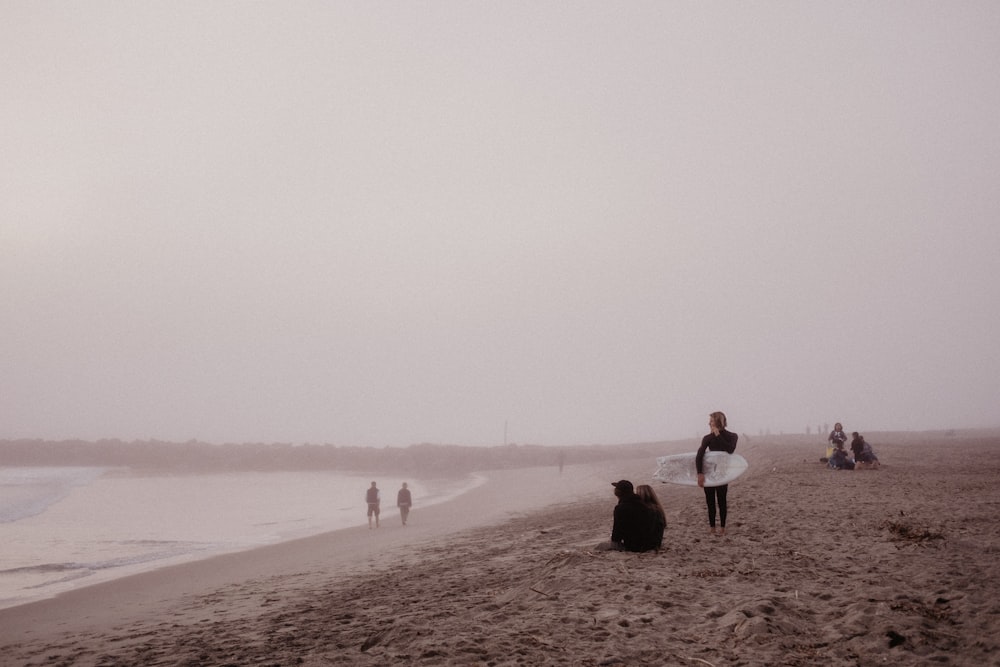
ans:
(839, 460)
(630, 527)
(867, 454)
(659, 517)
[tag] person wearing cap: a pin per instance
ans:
(631, 528)
(719, 440)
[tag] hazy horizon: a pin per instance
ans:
(452, 222)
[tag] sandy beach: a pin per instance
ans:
(894, 566)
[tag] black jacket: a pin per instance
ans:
(632, 524)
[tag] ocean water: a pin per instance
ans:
(65, 527)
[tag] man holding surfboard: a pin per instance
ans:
(719, 440)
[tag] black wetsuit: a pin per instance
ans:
(724, 442)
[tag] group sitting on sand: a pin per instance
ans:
(639, 519)
(861, 452)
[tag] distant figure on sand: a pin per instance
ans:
(374, 499)
(837, 436)
(719, 440)
(659, 517)
(404, 502)
(630, 530)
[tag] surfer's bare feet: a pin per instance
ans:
(722, 532)
(712, 530)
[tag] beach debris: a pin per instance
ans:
(564, 557)
(704, 662)
(746, 566)
(547, 643)
(939, 611)
(374, 639)
(907, 531)
(705, 574)
(895, 639)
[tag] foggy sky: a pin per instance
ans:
(390, 223)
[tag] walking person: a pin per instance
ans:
(374, 498)
(404, 501)
(719, 440)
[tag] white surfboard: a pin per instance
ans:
(720, 468)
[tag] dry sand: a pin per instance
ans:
(894, 566)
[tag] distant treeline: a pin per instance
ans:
(194, 456)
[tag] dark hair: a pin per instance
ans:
(648, 496)
(719, 419)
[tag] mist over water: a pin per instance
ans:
(27, 492)
(66, 527)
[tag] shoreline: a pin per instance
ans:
(242, 520)
(337, 553)
(844, 568)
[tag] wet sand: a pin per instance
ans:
(889, 566)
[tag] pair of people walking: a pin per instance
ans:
(373, 498)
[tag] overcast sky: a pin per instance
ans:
(400, 222)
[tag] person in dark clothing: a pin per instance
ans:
(404, 501)
(631, 528)
(857, 445)
(839, 460)
(659, 517)
(373, 498)
(867, 454)
(719, 440)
